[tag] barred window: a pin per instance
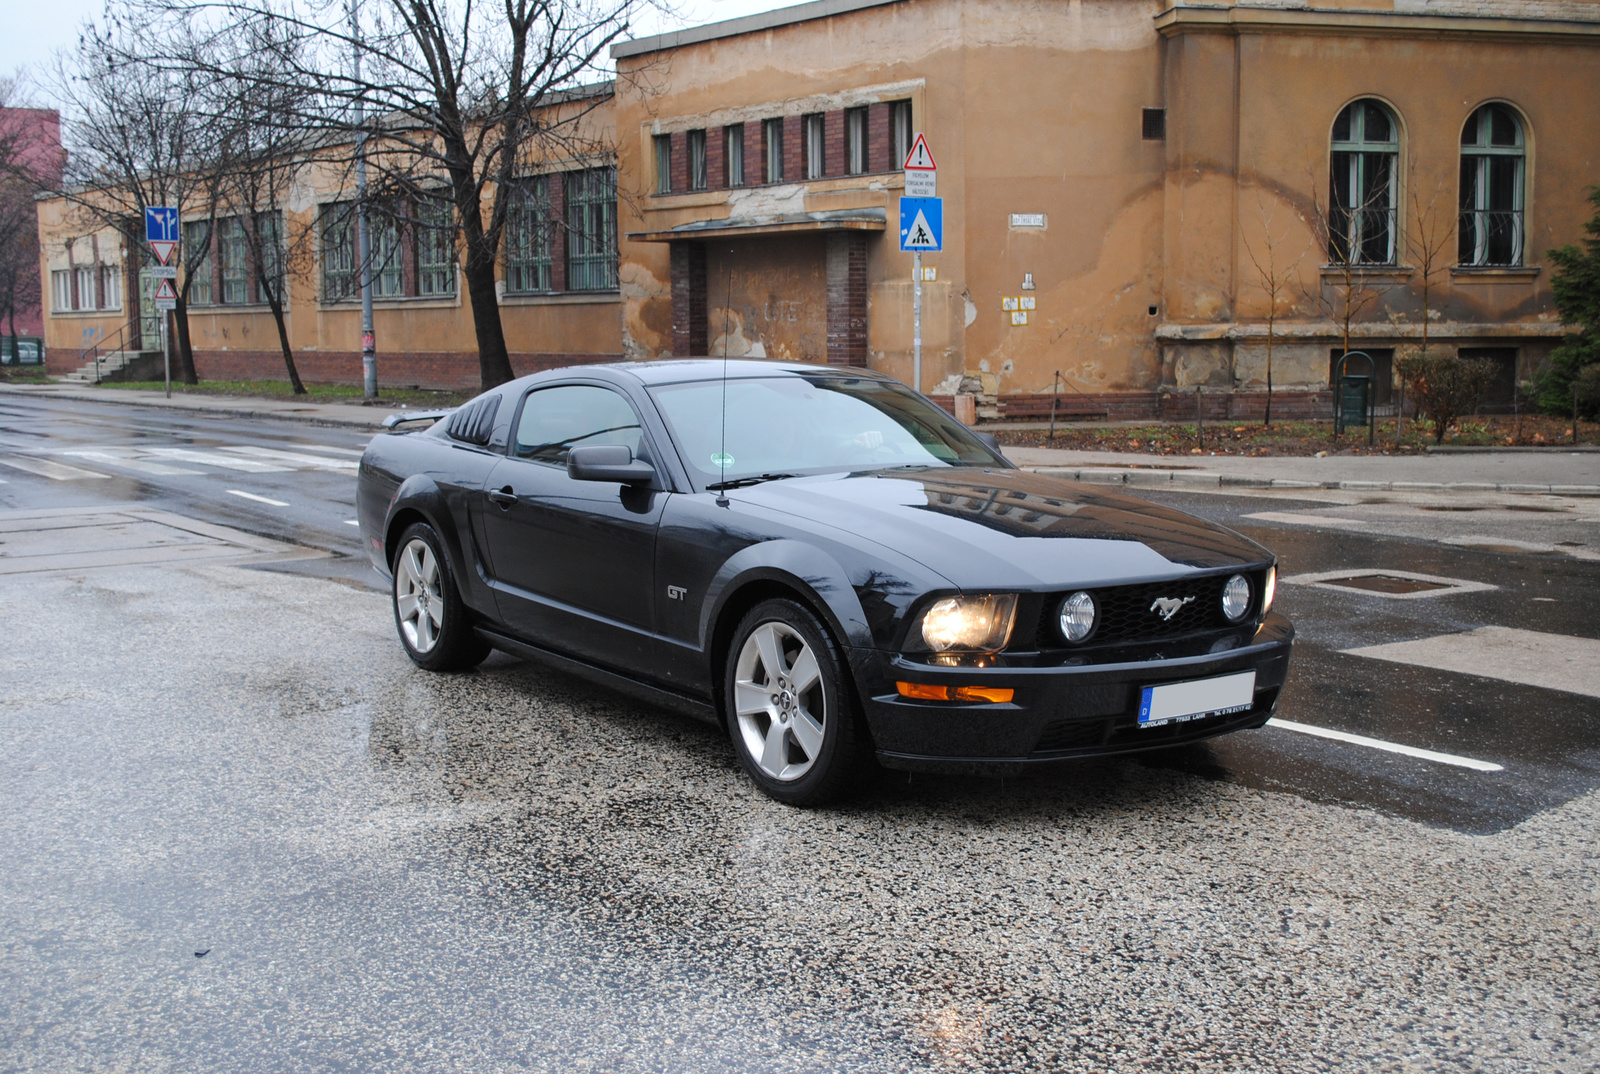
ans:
(383, 246)
(529, 230)
(1363, 185)
(436, 247)
(339, 278)
(663, 164)
(900, 127)
(855, 131)
(592, 229)
(697, 160)
(772, 131)
(233, 262)
(733, 153)
(1493, 159)
(816, 146)
(269, 233)
(198, 265)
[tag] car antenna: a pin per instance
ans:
(722, 452)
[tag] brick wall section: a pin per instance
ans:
(556, 188)
(689, 335)
(680, 161)
(833, 137)
(846, 254)
(443, 371)
(715, 170)
(794, 150)
(879, 140)
(1168, 406)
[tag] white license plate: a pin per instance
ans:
(1175, 702)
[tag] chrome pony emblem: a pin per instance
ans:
(1168, 606)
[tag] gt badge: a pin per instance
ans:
(1167, 607)
(676, 592)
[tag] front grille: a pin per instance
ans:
(1126, 613)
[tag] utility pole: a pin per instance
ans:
(916, 320)
(369, 339)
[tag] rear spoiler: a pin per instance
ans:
(394, 421)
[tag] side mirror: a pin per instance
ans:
(608, 462)
(989, 440)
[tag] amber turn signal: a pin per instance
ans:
(923, 692)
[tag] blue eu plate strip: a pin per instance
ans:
(1144, 704)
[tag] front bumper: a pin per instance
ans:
(1060, 711)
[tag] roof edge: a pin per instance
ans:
(748, 24)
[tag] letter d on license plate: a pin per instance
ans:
(1179, 701)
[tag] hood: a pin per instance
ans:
(1010, 529)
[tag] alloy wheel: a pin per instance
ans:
(780, 701)
(418, 598)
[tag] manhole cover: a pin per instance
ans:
(1386, 583)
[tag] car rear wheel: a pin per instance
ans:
(434, 625)
(789, 707)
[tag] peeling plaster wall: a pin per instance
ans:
(779, 298)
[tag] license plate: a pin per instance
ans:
(1175, 702)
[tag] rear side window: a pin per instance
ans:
(473, 423)
(556, 420)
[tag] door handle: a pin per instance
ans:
(503, 496)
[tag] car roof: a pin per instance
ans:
(683, 370)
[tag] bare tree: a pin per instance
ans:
(461, 98)
(1275, 272)
(1431, 234)
(26, 166)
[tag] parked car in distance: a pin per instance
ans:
(823, 562)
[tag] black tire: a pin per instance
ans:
(435, 626)
(793, 762)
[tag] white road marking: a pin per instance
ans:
(352, 522)
(213, 458)
(329, 450)
(1296, 519)
(1322, 580)
(1390, 747)
(258, 499)
(1553, 661)
(294, 458)
(55, 471)
(111, 457)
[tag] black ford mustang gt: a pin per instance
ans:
(822, 561)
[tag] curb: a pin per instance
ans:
(209, 410)
(1169, 479)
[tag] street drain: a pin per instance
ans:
(1394, 585)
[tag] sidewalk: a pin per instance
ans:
(1550, 470)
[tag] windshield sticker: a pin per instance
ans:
(722, 459)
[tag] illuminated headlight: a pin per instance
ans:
(1236, 598)
(979, 624)
(1077, 616)
(1270, 591)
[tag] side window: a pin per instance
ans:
(555, 420)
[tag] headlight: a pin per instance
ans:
(1270, 591)
(1236, 598)
(1078, 613)
(981, 624)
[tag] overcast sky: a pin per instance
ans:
(36, 28)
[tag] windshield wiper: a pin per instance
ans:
(741, 482)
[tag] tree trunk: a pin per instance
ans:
(276, 305)
(494, 361)
(1267, 420)
(186, 372)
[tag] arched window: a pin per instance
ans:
(1493, 156)
(1362, 188)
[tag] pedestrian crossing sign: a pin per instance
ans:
(921, 224)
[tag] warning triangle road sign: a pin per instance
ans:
(920, 236)
(163, 250)
(165, 290)
(920, 159)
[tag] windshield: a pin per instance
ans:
(799, 424)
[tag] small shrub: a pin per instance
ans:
(1445, 386)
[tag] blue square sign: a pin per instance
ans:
(921, 223)
(160, 223)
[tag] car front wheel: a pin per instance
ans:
(789, 707)
(434, 625)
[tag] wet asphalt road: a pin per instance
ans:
(510, 869)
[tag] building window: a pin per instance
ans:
(592, 229)
(61, 290)
(83, 289)
(816, 145)
(1155, 124)
(528, 233)
(663, 164)
(1493, 158)
(339, 279)
(697, 160)
(269, 234)
(733, 153)
(232, 262)
(1363, 185)
(436, 248)
(383, 246)
(772, 136)
(197, 259)
(900, 128)
(855, 136)
(110, 289)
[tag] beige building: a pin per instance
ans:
(1128, 188)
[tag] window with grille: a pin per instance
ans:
(855, 137)
(197, 261)
(436, 248)
(1363, 185)
(697, 160)
(900, 128)
(816, 145)
(591, 197)
(529, 231)
(663, 164)
(733, 153)
(233, 262)
(1493, 160)
(772, 135)
(339, 277)
(269, 235)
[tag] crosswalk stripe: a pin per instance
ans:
(258, 499)
(213, 458)
(55, 471)
(1387, 747)
(294, 457)
(1530, 657)
(143, 466)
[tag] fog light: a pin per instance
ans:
(1236, 598)
(1077, 616)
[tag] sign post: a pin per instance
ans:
(161, 231)
(921, 228)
